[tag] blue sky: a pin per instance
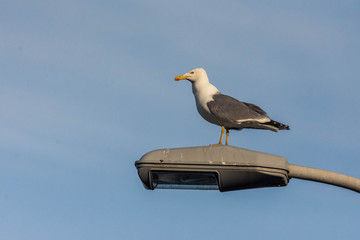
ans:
(86, 88)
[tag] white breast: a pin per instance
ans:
(203, 93)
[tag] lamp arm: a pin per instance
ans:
(319, 175)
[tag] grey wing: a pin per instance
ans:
(229, 109)
(256, 109)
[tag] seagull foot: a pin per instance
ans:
(216, 144)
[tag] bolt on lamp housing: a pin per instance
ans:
(224, 168)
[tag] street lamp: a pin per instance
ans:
(226, 168)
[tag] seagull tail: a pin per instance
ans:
(278, 125)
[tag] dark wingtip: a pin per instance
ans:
(284, 127)
(280, 126)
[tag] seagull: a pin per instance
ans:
(226, 111)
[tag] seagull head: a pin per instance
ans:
(194, 75)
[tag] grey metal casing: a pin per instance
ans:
(236, 168)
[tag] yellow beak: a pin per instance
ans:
(181, 77)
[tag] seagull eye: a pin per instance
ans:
(192, 72)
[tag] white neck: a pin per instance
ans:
(203, 88)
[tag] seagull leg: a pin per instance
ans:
(227, 137)
(221, 136)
